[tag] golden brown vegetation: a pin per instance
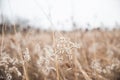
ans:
(75, 55)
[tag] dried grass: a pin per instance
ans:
(76, 55)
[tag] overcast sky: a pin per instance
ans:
(59, 12)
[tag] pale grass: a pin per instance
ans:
(68, 59)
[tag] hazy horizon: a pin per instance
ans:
(57, 14)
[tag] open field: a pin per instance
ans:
(46, 55)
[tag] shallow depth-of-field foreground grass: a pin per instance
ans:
(75, 55)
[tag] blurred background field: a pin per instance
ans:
(59, 40)
(74, 55)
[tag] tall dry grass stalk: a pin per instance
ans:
(2, 41)
(14, 28)
(57, 69)
(24, 66)
(21, 55)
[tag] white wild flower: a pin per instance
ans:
(96, 66)
(9, 66)
(44, 63)
(108, 68)
(14, 69)
(26, 55)
(104, 71)
(8, 76)
(116, 63)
